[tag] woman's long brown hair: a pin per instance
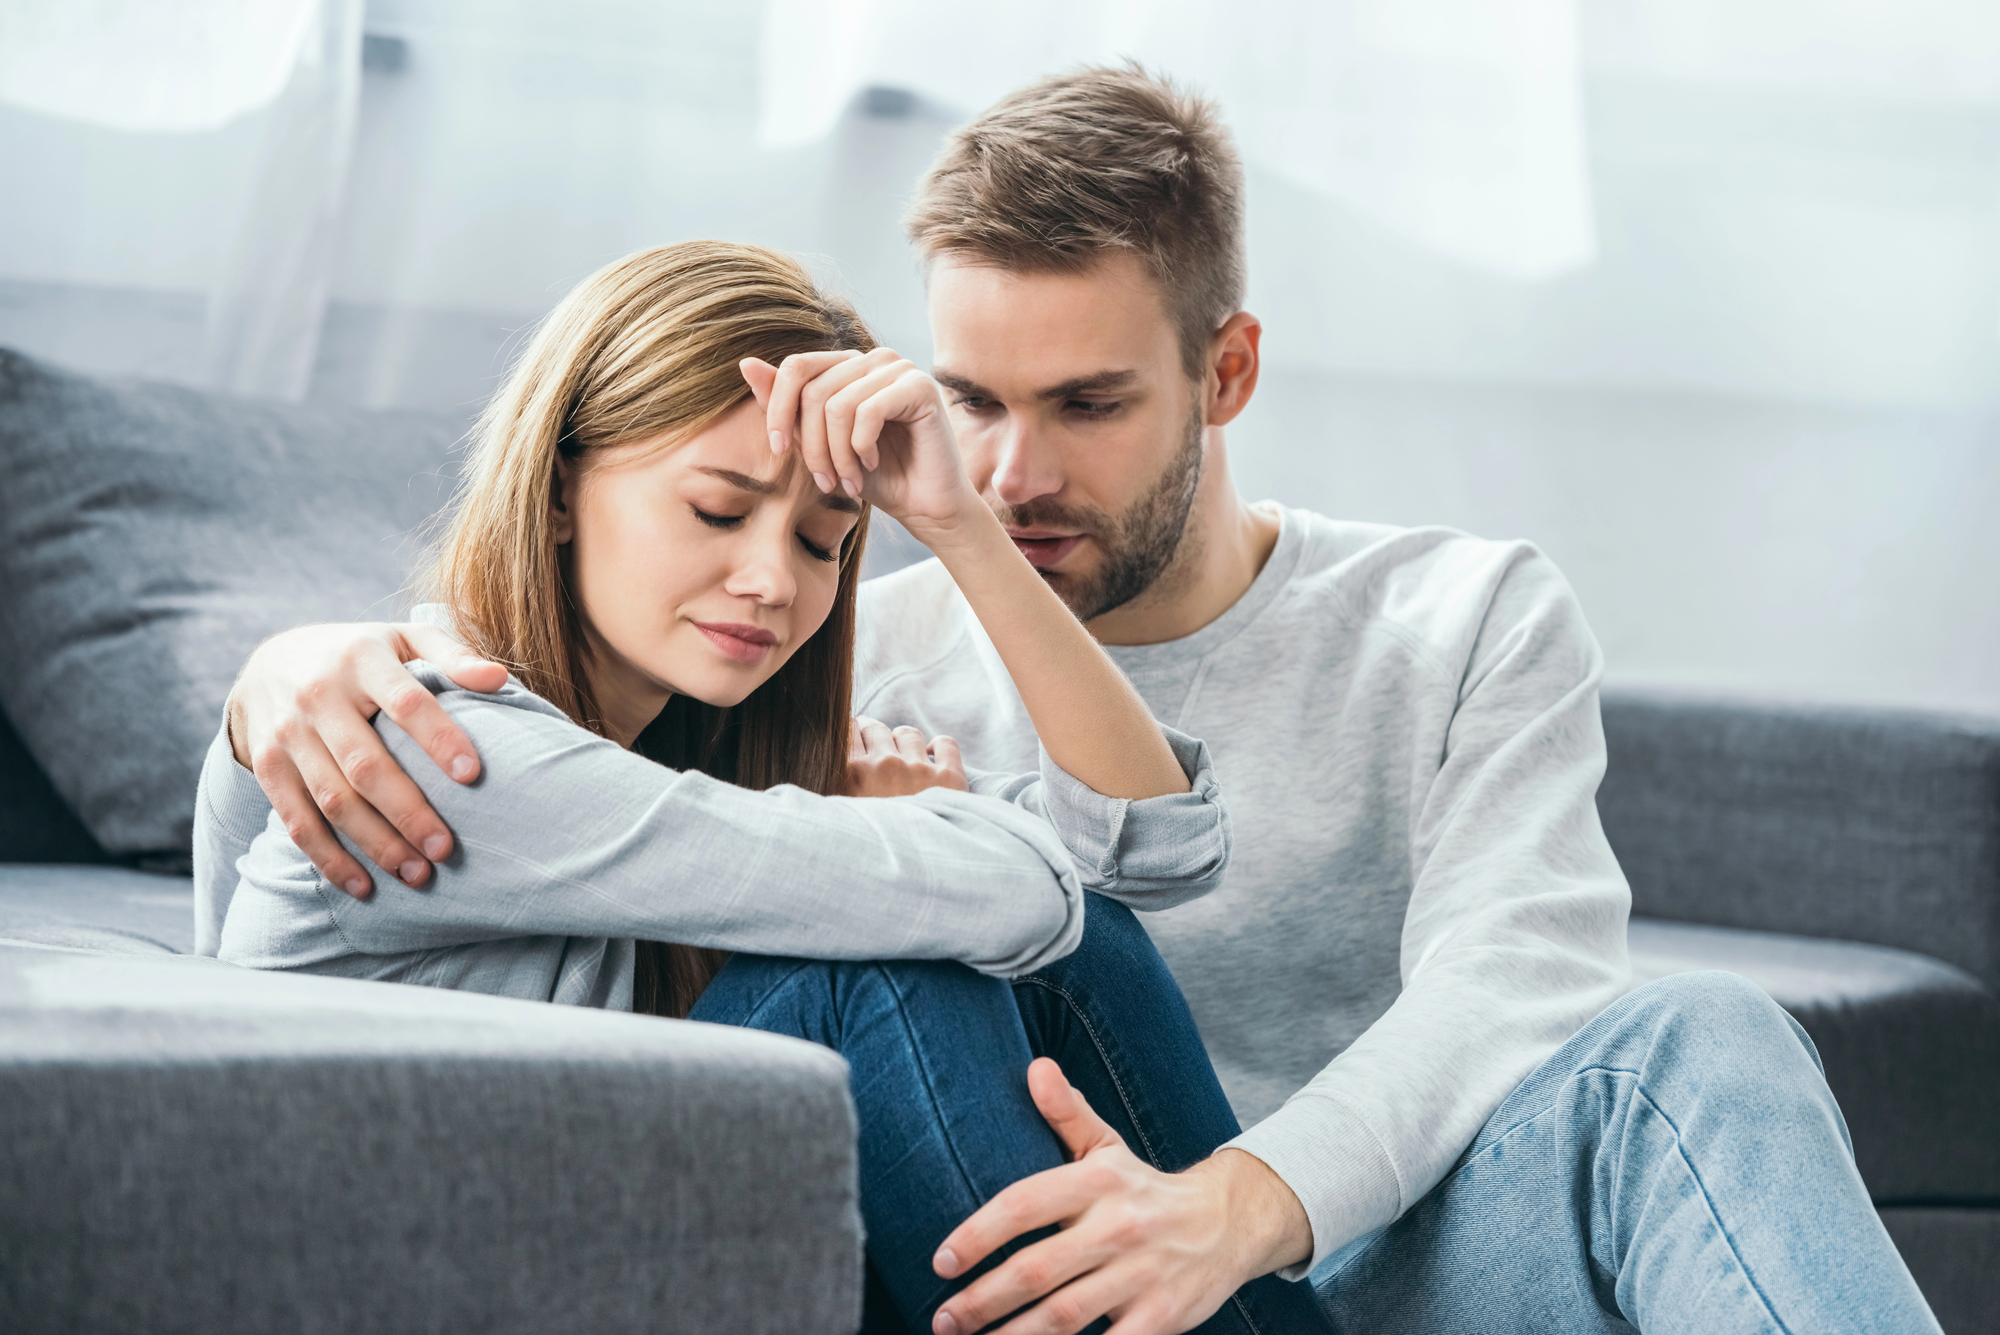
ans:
(647, 349)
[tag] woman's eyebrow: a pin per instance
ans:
(757, 486)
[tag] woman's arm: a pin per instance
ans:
(567, 834)
(879, 418)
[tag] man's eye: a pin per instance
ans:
(815, 551)
(716, 521)
(972, 401)
(1094, 407)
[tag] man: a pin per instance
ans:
(1404, 982)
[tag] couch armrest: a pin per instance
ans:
(189, 1146)
(1877, 826)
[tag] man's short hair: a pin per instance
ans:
(1057, 176)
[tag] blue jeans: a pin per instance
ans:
(1678, 1166)
(938, 1056)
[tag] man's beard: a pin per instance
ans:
(1138, 545)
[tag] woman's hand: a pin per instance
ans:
(873, 425)
(882, 762)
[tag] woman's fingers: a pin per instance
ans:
(944, 750)
(875, 395)
(333, 801)
(823, 436)
(875, 736)
(797, 396)
(781, 405)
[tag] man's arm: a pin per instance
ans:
(1514, 937)
(299, 719)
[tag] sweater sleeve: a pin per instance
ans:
(1150, 854)
(1514, 934)
(566, 833)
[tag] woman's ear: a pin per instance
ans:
(562, 520)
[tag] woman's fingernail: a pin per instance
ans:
(849, 486)
(356, 887)
(777, 442)
(436, 847)
(411, 872)
(825, 483)
(942, 1324)
(946, 1264)
(461, 768)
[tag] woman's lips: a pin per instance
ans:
(745, 644)
(1044, 553)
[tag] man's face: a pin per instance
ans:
(1078, 424)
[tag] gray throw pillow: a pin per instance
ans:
(150, 536)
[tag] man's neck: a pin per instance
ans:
(1222, 551)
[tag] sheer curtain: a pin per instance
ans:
(218, 129)
(1703, 297)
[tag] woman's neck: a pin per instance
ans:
(627, 700)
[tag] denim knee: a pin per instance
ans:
(1112, 940)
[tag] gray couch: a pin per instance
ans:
(187, 1146)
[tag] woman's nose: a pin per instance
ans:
(765, 573)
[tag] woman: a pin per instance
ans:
(673, 589)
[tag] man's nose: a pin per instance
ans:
(1029, 465)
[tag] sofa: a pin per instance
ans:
(189, 1146)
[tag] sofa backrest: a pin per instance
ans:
(1867, 825)
(35, 824)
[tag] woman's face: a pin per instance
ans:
(701, 567)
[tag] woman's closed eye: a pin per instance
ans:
(716, 521)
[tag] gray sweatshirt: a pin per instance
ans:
(569, 847)
(1422, 906)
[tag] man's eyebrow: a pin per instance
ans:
(1096, 383)
(759, 487)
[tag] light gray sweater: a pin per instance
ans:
(569, 847)
(1422, 905)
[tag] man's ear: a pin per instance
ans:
(562, 520)
(1233, 364)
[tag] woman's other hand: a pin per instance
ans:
(299, 721)
(873, 425)
(895, 762)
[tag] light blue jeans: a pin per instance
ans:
(1678, 1166)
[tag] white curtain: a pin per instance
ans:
(182, 81)
(1456, 123)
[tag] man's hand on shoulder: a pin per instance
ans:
(299, 719)
(1158, 1252)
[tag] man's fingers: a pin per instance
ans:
(944, 750)
(1048, 1197)
(1065, 1109)
(1043, 1271)
(439, 648)
(308, 830)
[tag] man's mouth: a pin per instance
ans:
(1045, 550)
(745, 644)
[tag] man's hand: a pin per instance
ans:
(1158, 1252)
(882, 762)
(299, 720)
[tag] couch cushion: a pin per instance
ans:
(1864, 825)
(188, 1146)
(151, 536)
(1911, 1047)
(96, 908)
(35, 824)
